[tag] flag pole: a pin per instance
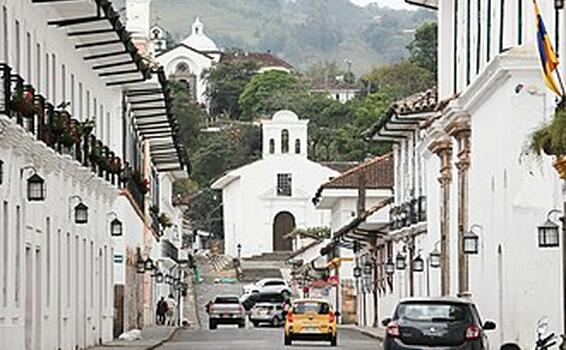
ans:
(562, 103)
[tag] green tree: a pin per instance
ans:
(257, 99)
(189, 115)
(226, 81)
(400, 79)
(423, 49)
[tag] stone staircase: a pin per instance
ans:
(266, 265)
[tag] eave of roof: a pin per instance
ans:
(96, 30)
(187, 47)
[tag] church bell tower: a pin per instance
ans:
(138, 22)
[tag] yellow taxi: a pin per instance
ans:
(311, 319)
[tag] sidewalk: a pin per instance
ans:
(151, 338)
(376, 333)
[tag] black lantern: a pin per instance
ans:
(357, 271)
(435, 259)
(559, 4)
(140, 264)
(116, 227)
(36, 188)
(400, 262)
(471, 242)
(389, 268)
(239, 247)
(159, 277)
(418, 264)
(549, 233)
(81, 213)
(368, 267)
(148, 265)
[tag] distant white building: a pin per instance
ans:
(265, 200)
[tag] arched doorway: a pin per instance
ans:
(283, 223)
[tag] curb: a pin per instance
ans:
(367, 333)
(161, 342)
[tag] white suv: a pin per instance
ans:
(268, 285)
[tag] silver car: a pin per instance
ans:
(267, 312)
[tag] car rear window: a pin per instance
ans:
(318, 308)
(226, 300)
(270, 298)
(432, 312)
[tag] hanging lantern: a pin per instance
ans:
(81, 213)
(357, 271)
(168, 279)
(548, 235)
(418, 264)
(116, 227)
(558, 4)
(389, 268)
(471, 243)
(435, 259)
(36, 188)
(400, 262)
(159, 277)
(140, 264)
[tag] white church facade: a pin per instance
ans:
(265, 200)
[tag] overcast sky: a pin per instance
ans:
(397, 4)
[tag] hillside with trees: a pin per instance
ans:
(302, 32)
(229, 135)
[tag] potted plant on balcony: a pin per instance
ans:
(165, 221)
(550, 139)
(22, 102)
(115, 165)
(154, 209)
(140, 183)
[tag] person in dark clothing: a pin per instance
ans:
(161, 311)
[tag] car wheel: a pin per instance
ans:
(211, 324)
(333, 341)
(276, 322)
(242, 323)
(256, 324)
(288, 340)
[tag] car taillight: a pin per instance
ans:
(393, 329)
(473, 332)
(331, 317)
(290, 317)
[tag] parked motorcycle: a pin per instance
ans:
(544, 340)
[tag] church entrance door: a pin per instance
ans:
(283, 223)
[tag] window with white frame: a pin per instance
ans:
(284, 185)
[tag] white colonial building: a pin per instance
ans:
(265, 200)
(461, 155)
(87, 147)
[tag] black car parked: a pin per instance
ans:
(446, 323)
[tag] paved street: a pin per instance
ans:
(259, 339)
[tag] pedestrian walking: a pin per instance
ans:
(171, 306)
(162, 309)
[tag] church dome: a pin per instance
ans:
(198, 40)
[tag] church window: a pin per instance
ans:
(182, 67)
(156, 33)
(284, 185)
(297, 146)
(285, 141)
(271, 146)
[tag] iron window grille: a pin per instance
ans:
(284, 185)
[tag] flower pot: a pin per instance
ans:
(560, 166)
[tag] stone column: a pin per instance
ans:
(443, 149)
(461, 131)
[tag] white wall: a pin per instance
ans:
(62, 291)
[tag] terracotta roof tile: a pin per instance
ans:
(379, 174)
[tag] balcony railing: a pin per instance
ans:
(155, 225)
(408, 213)
(55, 127)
